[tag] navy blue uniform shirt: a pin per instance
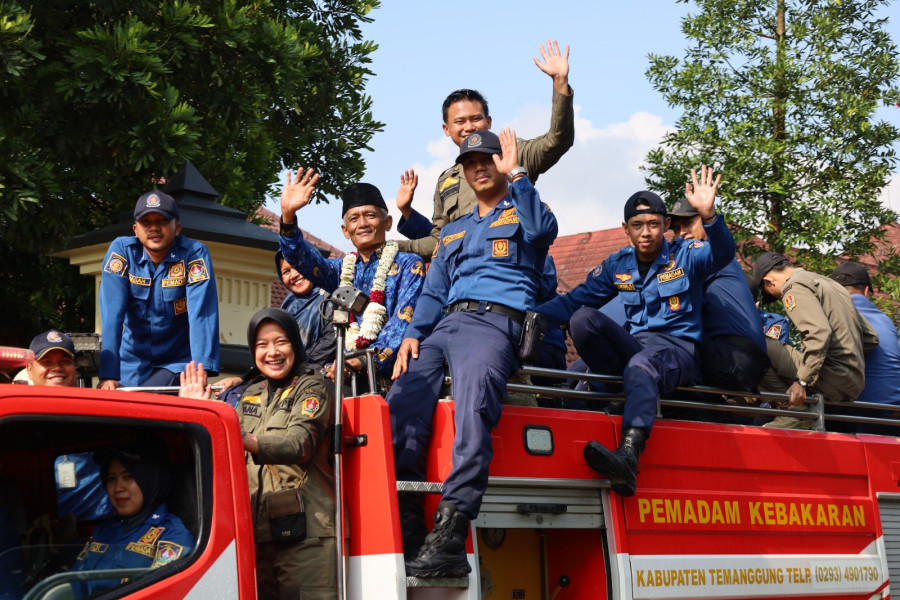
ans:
(496, 258)
(668, 299)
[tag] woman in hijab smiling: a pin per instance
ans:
(144, 533)
(287, 421)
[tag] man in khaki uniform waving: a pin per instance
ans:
(465, 111)
(834, 338)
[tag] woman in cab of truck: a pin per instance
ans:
(287, 425)
(143, 534)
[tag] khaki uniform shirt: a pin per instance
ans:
(454, 198)
(294, 425)
(834, 337)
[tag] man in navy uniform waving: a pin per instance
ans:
(484, 275)
(661, 286)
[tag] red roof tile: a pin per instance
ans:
(576, 255)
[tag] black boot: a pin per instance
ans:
(620, 466)
(412, 525)
(444, 552)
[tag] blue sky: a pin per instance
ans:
(428, 49)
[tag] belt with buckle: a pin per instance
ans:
(476, 306)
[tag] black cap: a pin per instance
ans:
(52, 340)
(361, 194)
(657, 206)
(482, 140)
(158, 202)
(765, 263)
(851, 273)
(683, 208)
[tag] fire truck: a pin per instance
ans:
(722, 510)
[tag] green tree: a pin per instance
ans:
(99, 100)
(781, 95)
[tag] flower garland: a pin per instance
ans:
(375, 315)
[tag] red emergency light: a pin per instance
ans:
(11, 358)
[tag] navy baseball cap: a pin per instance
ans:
(361, 194)
(158, 202)
(851, 273)
(483, 141)
(683, 208)
(51, 340)
(655, 203)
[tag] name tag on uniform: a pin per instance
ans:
(664, 277)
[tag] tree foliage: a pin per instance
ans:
(781, 95)
(99, 100)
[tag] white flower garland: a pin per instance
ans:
(375, 315)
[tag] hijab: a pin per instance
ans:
(147, 460)
(286, 321)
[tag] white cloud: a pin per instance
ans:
(588, 187)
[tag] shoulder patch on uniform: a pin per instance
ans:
(789, 302)
(435, 251)
(697, 244)
(451, 238)
(310, 406)
(197, 271)
(774, 331)
(166, 552)
(448, 182)
(597, 270)
(116, 264)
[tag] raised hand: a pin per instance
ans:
(509, 147)
(702, 194)
(555, 64)
(297, 192)
(194, 382)
(408, 182)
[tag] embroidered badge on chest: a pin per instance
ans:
(180, 306)
(500, 249)
(674, 303)
(177, 270)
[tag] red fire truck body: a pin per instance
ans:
(721, 511)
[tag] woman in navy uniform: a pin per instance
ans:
(144, 533)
